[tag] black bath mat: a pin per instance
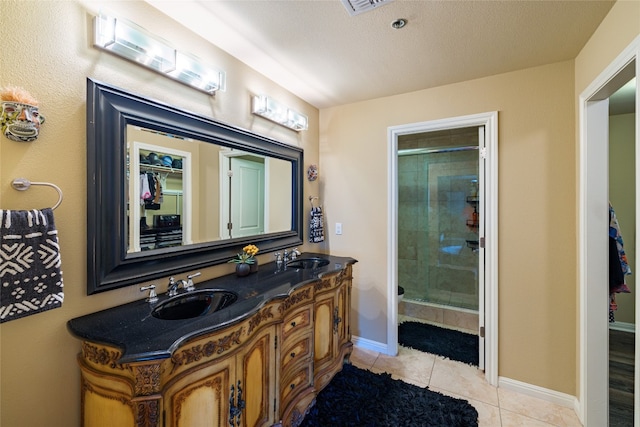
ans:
(454, 345)
(361, 398)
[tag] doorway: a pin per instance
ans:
(593, 245)
(459, 218)
(439, 216)
(242, 194)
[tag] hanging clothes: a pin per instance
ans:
(152, 189)
(145, 191)
(618, 264)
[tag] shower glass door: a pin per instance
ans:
(439, 222)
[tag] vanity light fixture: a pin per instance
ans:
(273, 110)
(131, 42)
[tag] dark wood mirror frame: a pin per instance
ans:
(109, 266)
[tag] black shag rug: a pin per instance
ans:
(360, 398)
(454, 345)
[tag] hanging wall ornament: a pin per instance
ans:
(20, 119)
(312, 173)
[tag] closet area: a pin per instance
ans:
(622, 268)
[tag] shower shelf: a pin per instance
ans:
(473, 223)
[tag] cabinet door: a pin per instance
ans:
(106, 402)
(200, 398)
(342, 311)
(324, 341)
(257, 380)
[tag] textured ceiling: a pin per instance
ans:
(317, 50)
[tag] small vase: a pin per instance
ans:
(242, 269)
(254, 267)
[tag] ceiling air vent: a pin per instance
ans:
(356, 7)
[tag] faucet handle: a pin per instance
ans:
(294, 253)
(153, 297)
(190, 287)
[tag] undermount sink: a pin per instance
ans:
(314, 262)
(194, 304)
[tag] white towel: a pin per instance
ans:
(30, 275)
(316, 225)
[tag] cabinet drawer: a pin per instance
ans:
(296, 382)
(298, 350)
(296, 321)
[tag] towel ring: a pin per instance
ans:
(23, 184)
(311, 198)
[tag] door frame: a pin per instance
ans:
(490, 122)
(593, 213)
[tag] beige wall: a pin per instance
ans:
(47, 50)
(536, 201)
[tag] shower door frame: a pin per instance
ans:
(489, 168)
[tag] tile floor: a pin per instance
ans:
(496, 407)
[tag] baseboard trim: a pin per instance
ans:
(371, 345)
(542, 393)
(623, 326)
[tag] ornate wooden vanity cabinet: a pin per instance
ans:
(263, 370)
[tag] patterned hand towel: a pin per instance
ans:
(316, 225)
(30, 275)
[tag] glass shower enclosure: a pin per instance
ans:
(438, 218)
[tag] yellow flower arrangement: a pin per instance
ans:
(247, 255)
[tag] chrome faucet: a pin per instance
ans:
(187, 285)
(172, 289)
(290, 256)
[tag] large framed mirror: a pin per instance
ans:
(170, 191)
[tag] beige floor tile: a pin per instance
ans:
(537, 408)
(409, 364)
(488, 415)
(363, 358)
(465, 380)
(511, 419)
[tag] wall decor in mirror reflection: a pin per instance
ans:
(128, 40)
(170, 191)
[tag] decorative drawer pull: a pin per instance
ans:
(292, 386)
(293, 324)
(293, 355)
(336, 320)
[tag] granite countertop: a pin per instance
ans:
(140, 336)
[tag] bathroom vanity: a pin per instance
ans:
(237, 351)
